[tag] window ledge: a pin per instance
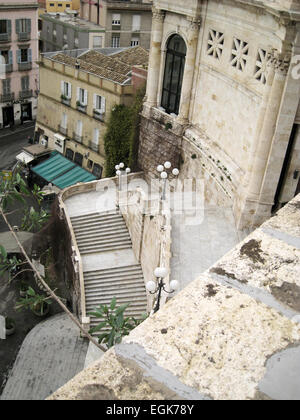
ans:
(169, 121)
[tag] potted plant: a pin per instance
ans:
(10, 326)
(38, 304)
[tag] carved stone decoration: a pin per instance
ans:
(158, 14)
(239, 54)
(215, 44)
(261, 66)
(279, 61)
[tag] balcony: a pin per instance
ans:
(94, 146)
(8, 68)
(77, 137)
(8, 97)
(66, 101)
(63, 130)
(24, 36)
(24, 66)
(80, 107)
(24, 94)
(98, 115)
(5, 37)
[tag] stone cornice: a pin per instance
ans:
(19, 6)
(282, 14)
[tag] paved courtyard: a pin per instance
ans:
(51, 354)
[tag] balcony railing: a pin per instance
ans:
(98, 115)
(94, 146)
(24, 36)
(63, 130)
(81, 107)
(65, 100)
(8, 68)
(5, 37)
(8, 97)
(23, 94)
(77, 137)
(24, 66)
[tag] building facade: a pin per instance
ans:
(18, 55)
(78, 90)
(67, 31)
(127, 23)
(60, 6)
(225, 76)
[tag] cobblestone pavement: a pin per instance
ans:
(51, 354)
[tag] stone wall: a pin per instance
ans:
(233, 333)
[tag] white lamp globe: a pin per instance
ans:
(151, 286)
(167, 165)
(128, 170)
(175, 172)
(160, 168)
(164, 175)
(117, 167)
(121, 165)
(160, 272)
(118, 173)
(174, 285)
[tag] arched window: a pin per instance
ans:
(174, 68)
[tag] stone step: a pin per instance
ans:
(96, 250)
(116, 280)
(103, 238)
(100, 231)
(122, 268)
(96, 219)
(125, 288)
(106, 299)
(94, 215)
(109, 242)
(99, 224)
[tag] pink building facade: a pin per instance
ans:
(19, 75)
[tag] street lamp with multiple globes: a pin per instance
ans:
(153, 287)
(162, 169)
(119, 169)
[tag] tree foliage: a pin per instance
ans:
(122, 135)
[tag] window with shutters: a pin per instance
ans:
(6, 87)
(136, 22)
(82, 99)
(66, 90)
(5, 30)
(134, 41)
(78, 158)
(116, 19)
(99, 107)
(69, 154)
(115, 41)
(25, 83)
(97, 170)
(23, 29)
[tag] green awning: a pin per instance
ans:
(62, 172)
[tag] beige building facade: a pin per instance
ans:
(225, 76)
(78, 89)
(127, 23)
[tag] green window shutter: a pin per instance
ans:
(18, 56)
(18, 26)
(10, 57)
(28, 26)
(29, 55)
(9, 27)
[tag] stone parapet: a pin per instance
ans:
(233, 333)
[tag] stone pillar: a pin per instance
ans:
(266, 127)
(189, 69)
(158, 17)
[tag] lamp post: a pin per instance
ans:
(119, 169)
(164, 174)
(153, 287)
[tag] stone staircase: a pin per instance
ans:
(98, 232)
(125, 283)
(103, 234)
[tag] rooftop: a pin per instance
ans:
(72, 20)
(111, 64)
